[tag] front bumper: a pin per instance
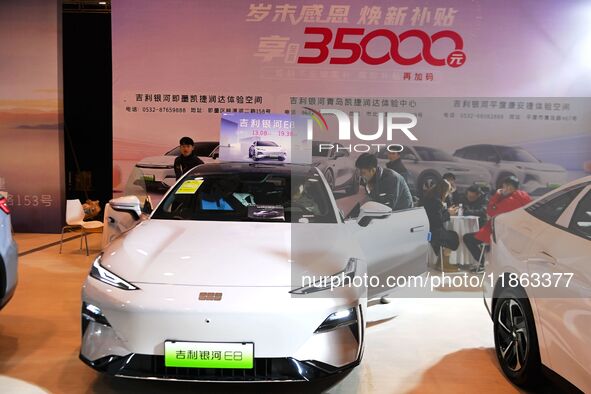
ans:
(144, 366)
(137, 323)
(270, 155)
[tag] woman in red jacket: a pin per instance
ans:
(506, 199)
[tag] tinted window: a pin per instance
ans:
(205, 148)
(481, 153)
(516, 154)
(431, 154)
(460, 153)
(248, 196)
(382, 154)
(200, 148)
(324, 152)
(550, 208)
(581, 221)
(266, 143)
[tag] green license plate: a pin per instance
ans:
(150, 178)
(208, 355)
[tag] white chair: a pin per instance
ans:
(75, 222)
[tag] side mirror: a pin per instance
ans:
(130, 204)
(372, 210)
(147, 208)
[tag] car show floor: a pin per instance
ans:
(413, 345)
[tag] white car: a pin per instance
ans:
(503, 161)
(538, 287)
(266, 150)
(8, 255)
(158, 171)
(337, 165)
(427, 165)
(226, 279)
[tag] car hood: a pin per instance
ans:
(157, 160)
(207, 253)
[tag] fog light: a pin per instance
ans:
(338, 319)
(93, 313)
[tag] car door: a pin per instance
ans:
(561, 253)
(393, 246)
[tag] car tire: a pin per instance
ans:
(501, 178)
(281, 158)
(516, 339)
(3, 283)
(330, 179)
(426, 181)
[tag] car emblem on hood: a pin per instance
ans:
(210, 296)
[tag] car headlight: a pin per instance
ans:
(104, 275)
(342, 318)
(331, 281)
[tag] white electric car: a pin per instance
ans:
(8, 255)
(266, 150)
(503, 161)
(538, 287)
(243, 273)
(427, 165)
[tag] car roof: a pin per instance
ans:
(233, 167)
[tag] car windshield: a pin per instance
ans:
(431, 154)
(266, 143)
(508, 153)
(202, 149)
(249, 196)
(316, 151)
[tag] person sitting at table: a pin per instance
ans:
(506, 199)
(454, 196)
(438, 214)
(474, 203)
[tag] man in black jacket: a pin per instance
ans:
(382, 184)
(395, 164)
(187, 159)
(474, 203)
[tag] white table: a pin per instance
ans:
(462, 225)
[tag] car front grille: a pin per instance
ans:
(143, 366)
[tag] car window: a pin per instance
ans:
(342, 151)
(316, 151)
(266, 143)
(509, 153)
(248, 196)
(382, 154)
(473, 153)
(201, 149)
(174, 152)
(407, 155)
(551, 207)
(461, 152)
(204, 149)
(431, 154)
(581, 221)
